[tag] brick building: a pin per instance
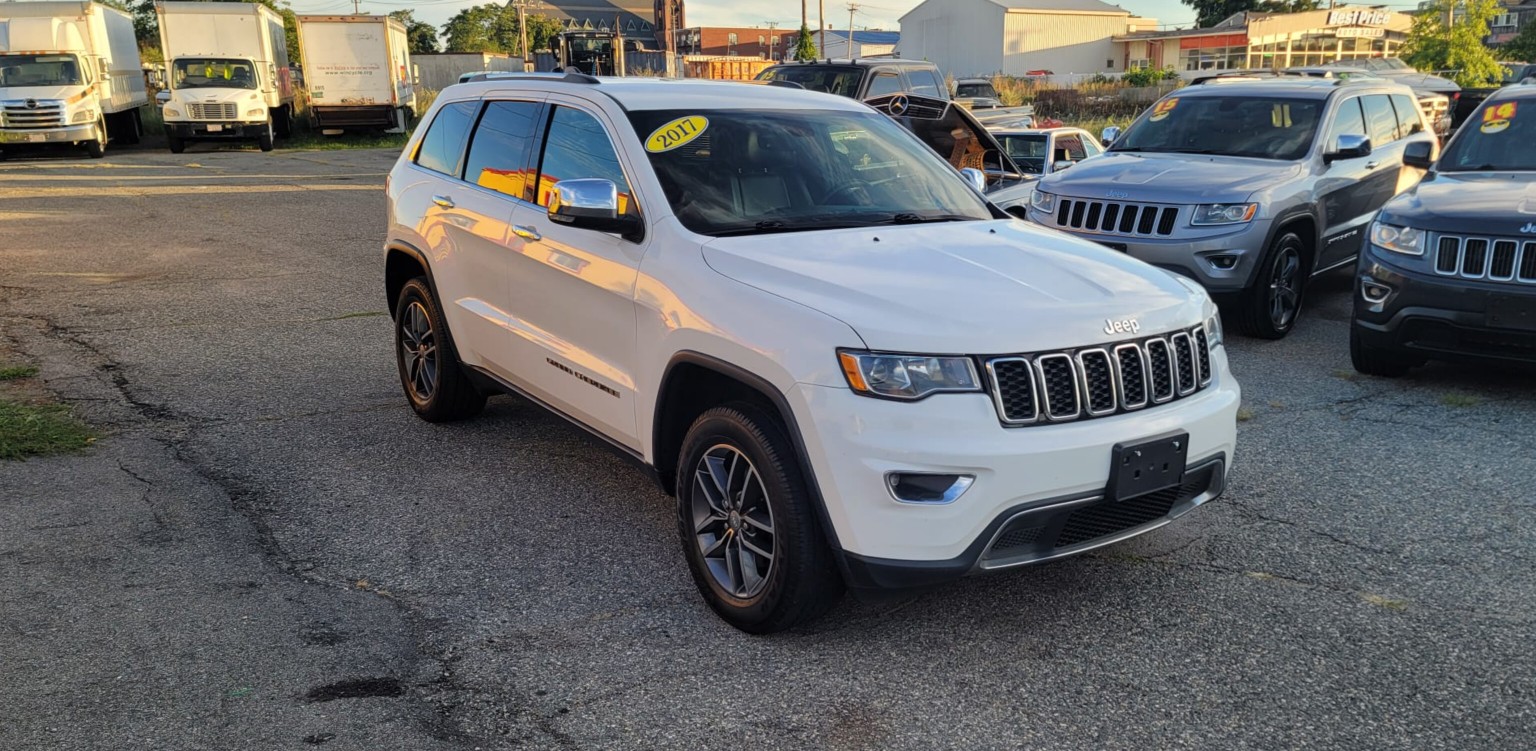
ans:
(760, 41)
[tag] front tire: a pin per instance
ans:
(98, 148)
(176, 143)
(1378, 361)
(430, 372)
(1268, 309)
(748, 524)
(264, 141)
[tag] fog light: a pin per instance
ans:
(1374, 293)
(917, 487)
(1223, 261)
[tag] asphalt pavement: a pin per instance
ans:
(267, 550)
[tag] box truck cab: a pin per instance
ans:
(227, 69)
(358, 70)
(69, 74)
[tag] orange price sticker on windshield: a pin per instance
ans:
(1163, 108)
(1496, 117)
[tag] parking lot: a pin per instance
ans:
(266, 549)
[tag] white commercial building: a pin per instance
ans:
(1018, 37)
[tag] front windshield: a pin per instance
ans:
(1262, 127)
(1501, 137)
(728, 172)
(1027, 151)
(976, 90)
(40, 70)
(212, 73)
(839, 80)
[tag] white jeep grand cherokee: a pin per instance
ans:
(849, 368)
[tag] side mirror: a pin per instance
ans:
(1418, 154)
(590, 204)
(1061, 165)
(1109, 134)
(1348, 147)
(975, 178)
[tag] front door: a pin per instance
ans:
(1343, 191)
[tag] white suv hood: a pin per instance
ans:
(962, 287)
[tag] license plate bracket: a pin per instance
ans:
(36, 138)
(1147, 466)
(1510, 312)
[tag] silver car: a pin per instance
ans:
(1249, 187)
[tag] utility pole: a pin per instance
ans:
(773, 39)
(821, 27)
(522, 26)
(852, 9)
(357, 7)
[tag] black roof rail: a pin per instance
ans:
(574, 75)
(569, 75)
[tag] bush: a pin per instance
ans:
(1149, 76)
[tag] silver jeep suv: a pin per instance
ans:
(1249, 187)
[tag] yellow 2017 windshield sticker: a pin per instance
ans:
(1162, 109)
(1496, 117)
(677, 133)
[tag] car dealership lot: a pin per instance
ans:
(267, 548)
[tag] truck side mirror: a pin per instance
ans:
(1109, 135)
(590, 204)
(975, 178)
(1348, 146)
(1418, 154)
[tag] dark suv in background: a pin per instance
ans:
(1449, 271)
(1248, 186)
(863, 79)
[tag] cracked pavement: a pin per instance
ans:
(267, 550)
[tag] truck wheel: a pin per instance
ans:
(264, 141)
(1269, 307)
(430, 372)
(98, 148)
(748, 525)
(177, 145)
(1378, 361)
(283, 122)
(130, 129)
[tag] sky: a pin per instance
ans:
(879, 14)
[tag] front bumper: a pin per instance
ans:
(190, 131)
(67, 134)
(1445, 317)
(1047, 472)
(1195, 258)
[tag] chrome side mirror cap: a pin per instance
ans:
(1109, 134)
(590, 203)
(975, 178)
(1348, 146)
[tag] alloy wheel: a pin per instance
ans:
(1285, 287)
(418, 351)
(732, 521)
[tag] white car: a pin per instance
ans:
(850, 369)
(1037, 152)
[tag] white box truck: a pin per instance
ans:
(69, 74)
(358, 72)
(227, 71)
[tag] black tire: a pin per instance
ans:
(282, 123)
(177, 145)
(1268, 309)
(802, 581)
(130, 128)
(1378, 361)
(434, 380)
(98, 148)
(264, 141)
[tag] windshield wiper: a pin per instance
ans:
(910, 218)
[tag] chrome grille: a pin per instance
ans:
(1097, 382)
(1491, 258)
(16, 115)
(215, 111)
(1115, 218)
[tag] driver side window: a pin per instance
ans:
(884, 83)
(1347, 121)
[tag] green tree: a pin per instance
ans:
(1523, 47)
(420, 37)
(1211, 12)
(1436, 43)
(494, 28)
(805, 45)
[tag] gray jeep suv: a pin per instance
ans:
(1249, 187)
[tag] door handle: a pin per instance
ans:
(1371, 165)
(443, 201)
(527, 233)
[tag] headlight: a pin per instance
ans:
(255, 113)
(1042, 201)
(1405, 240)
(1213, 330)
(907, 376)
(83, 116)
(172, 111)
(1224, 213)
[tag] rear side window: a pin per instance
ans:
(1380, 119)
(926, 83)
(442, 148)
(884, 83)
(1409, 118)
(1348, 121)
(498, 154)
(578, 147)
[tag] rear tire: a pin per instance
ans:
(740, 495)
(1268, 309)
(283, 122)
(1378, 361)
(430, 372)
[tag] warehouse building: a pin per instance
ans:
(1015, 37)
(1263, 41)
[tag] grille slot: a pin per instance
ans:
(1098, 382)
(1493, 258)
(1117, 218)
(214, 111)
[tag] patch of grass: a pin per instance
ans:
(1345, 375)
(1260, 575)
(359, 314)
(317, 142)
(15, 372)
(1244, 414)
(39, 430)
(1460, 400)
(1390, 603)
